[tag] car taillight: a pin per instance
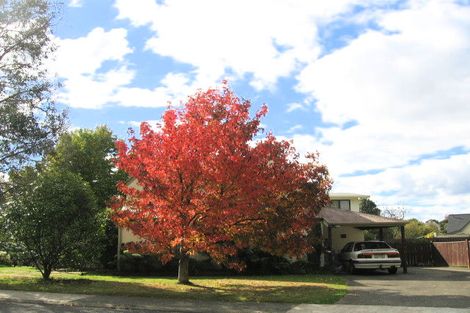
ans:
(393, 254)
(364, 256)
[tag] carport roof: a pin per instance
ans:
(356, 219)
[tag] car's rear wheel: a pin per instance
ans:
(392, 270)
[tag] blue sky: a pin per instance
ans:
(380, 88)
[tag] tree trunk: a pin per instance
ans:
(183, 269)
(46, 273)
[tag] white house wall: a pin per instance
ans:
(128, 236)
(355, 203)
(350, 234)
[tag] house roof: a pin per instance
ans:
(350, 218)
(345, 195)
(457, 222)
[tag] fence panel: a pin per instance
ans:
(419, 252)
(455, 253)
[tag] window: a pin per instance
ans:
(371, 245)
(341, 204)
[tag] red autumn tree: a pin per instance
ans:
(208, 184)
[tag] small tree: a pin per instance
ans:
(369, 207)
(207, 185)
(415, 229)
(443, 226)
(54, 218)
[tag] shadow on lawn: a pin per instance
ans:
(229, 291)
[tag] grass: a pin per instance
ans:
(320, 289)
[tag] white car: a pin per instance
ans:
(370, 255)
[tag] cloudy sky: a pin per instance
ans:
(380, 88)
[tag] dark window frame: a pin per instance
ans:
(339, 204)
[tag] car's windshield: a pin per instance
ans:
(371, 245)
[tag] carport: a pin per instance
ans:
(337, 219)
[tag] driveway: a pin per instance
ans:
(421, 287)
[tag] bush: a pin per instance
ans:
(5, 259)
(257, 263)
(140, 264)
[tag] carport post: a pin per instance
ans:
(119, 243)
(329, 244)
(403, 250)
(468, 251)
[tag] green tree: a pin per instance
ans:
(90, 153)
(29, 121)
(369, 207)
(54, 218)
(443, 226)
(416, 229)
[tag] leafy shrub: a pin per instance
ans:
(5, 259)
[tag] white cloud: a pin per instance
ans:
(406, 88)
(295, 106)
(87, 83)
(265, 39)
(173, 87)
(75, 3)
(154, 123)
(85, 55)
(79, 63)
(295, 128)
(432, 188)
(93, 92)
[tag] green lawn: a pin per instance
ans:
(286, 288)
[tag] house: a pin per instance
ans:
(458, 225)
(343, 222)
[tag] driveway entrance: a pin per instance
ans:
(424, 287)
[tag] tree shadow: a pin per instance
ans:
(227, 291)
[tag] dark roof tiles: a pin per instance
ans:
(343, 217)
(457, 222)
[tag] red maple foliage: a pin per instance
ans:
(208, 183)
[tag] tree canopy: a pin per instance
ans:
(29, 121)
(416, 229)
(368, 206)
(53, 216)
(207, 182)
(90, 153)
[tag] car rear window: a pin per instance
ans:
(370, 245)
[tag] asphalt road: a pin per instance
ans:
(303, 308)
(50, 308)
(421, 287)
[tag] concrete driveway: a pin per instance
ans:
(421, 287)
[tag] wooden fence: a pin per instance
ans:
(438, 252)
(455, 253)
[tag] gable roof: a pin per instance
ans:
(457, 222)
(350, 218)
